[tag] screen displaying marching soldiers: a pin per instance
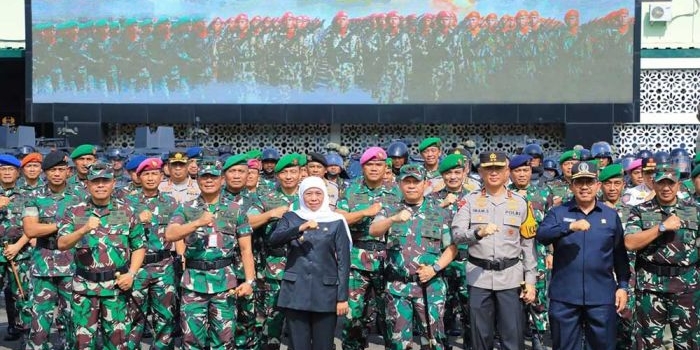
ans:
(340, 52)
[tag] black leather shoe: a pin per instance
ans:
(12, 334)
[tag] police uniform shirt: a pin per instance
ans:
(508, 212)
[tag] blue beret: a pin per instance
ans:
(6, 159)
(519, 160)
(194, 152)
(134, 162)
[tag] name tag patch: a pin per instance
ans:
(569, 220)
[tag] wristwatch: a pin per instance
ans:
(251, 282)
(436, 267)
(662, 228)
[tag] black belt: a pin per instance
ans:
(495, 265)
(208, 265)
(278, 252)
(462, 255)
(47, 243)
(664, 270)
(155, 257)
(370, 245)
(100, 276)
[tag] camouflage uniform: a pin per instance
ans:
(457, 299)
(275, 261)
(540, 199)
(418, 241)
(366, 262)
(52, 274)
(247, 331)
(11, 226)
(97, 302)
(560, 188)
(626, 332)
(208, 313)
(154, 287)
(665, 296)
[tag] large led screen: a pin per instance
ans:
(332, 51)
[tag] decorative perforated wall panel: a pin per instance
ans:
(669, 90)
(307, 138)
(630, 138)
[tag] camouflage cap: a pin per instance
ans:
(100, 171)
(667, 173)
(412, 170)
(210, 167)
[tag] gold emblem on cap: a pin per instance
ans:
(295, 162)
(178, 155)
(458, 152)
(154, 163)
(493, 157)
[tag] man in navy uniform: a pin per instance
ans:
(588, 247)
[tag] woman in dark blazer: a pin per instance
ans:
(314, 288)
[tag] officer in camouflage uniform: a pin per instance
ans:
(560, 186)
(690, 188)
(540, 199)
(498, 225)
(134, 186)
(15, 249)
(109, 250)
(613, 183)
(52, 269)
(212, 229)
(272, 206)
(247, 332)
(155, 289)
(664, 232)
(31, 173)
(430, 150)
(454, 171)
(362, 201)
(419, 246)
(82, 157)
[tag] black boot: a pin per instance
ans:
(12, 333)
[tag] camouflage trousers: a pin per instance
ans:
(626, 326)
(402, 311)
(656, 310)
(23, 305)
(274, 317)
(247, 335)
(361, 284)
(49, 293)
(207, 320)
(108, 314)
(155, 292)
(537, 313)
(457, 298)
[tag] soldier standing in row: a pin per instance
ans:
(498, 226)
(83, 156)
(663, 232)
(52, 270)
(154, 285)
(16, 253)
(362, 201)
(419, 246)
(109, 250)
(561, 191)
(212, 230)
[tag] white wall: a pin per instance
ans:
(11, 22)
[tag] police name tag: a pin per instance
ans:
(569, 220)
(213, 241)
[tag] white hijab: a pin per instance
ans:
(324, 213)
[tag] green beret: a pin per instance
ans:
(101, 23)
(131, 22)
(570, 155)
(696, 160)
(452, 161)
(430, 141)
(696, 171)
(254, 154)
(83, 150)
(301, 158)
(611, 171)
(288, 160)
(239, 159)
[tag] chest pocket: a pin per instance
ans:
(357, 199)
(17, 205)
(689, 218)
(274, 202)
(193, 213)
(432, 235)
(397, 235)
(164, 215)
(559, 191)
(649, 219)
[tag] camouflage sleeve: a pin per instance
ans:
(446, 233)
(137, 235)
(342, 204)
(634, 221)
(31, 208)
(242, 226)
(383, 214)
(178, 216)
(65, 222)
